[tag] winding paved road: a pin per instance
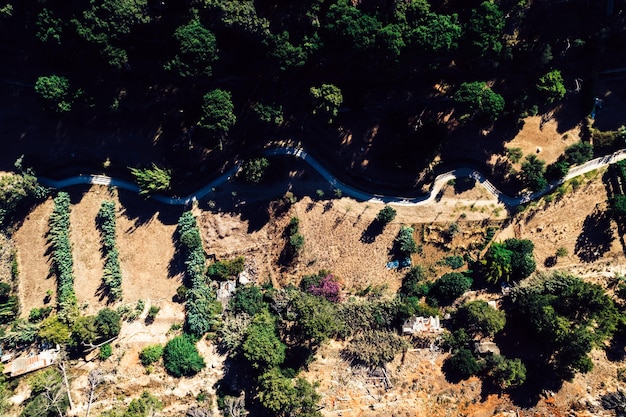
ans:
(431, 198)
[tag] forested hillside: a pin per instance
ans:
(203, 81)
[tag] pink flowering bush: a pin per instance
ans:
(328, 287)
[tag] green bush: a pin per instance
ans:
(38, 314)
(55, 90)
(462, 364)
(414, 283)
(105, 352)
(479, 319)
(15, 191)
(253, 170)
(152, 312)
(262, 347)
(375, 348)
(152, 180)
(551, 86)
(247, 299)
(405, 242)
(450, 287)
(108, 323)
(226, 269)
(150, 354)
(453, 261)
(386, 214)
(181, 357)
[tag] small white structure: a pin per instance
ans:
(225, 291)
(422, 325)
(485, 347)
(24, 365)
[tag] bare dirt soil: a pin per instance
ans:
(145, 244)
(544, 139)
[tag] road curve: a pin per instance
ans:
(430, 198)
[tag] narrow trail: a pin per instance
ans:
(431, 198)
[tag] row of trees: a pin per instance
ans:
(201, 307)
(112, 275)
(63, 264)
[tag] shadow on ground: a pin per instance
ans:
(596, 237)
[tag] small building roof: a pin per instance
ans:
(26, 364)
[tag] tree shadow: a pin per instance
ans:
(176, 265)
(238, 379)
(517, 341)
(550, 261)
(464, 184)
(616, 351)
(142, 211)
(596, 237)
(374, 229)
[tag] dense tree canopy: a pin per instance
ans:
(197, 50)
(262, 347)
(479, 319)
(55, 90)
(551, 86)
(569, 315)
(217, 112)
(510, 260)
(480, 100)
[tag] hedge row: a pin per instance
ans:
(62, 261)
(202, 309)
(112, 276)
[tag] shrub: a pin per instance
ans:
(551, 86)
(151, 180)
(15, 191)
(514, 154)
(453, 261)
(375, 348)
(413, 284)
(462, 364)
(181, 357)
(38, 314)
(579, 153)
(223, 270)
(405, 242)
(150, 354)
(386, 214)
(105, 352)
(108, 323)
(53, 330)
(253, 170)
(326, 100)
(262, 347)
(296, 240)
(479, 319)
(533, 173)
(55, 90)
(511, 260)
(203, 311)
(247, 299)
(152, 312)
(508, 373)
(328, 288)
(480, 100)
(450, 286)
